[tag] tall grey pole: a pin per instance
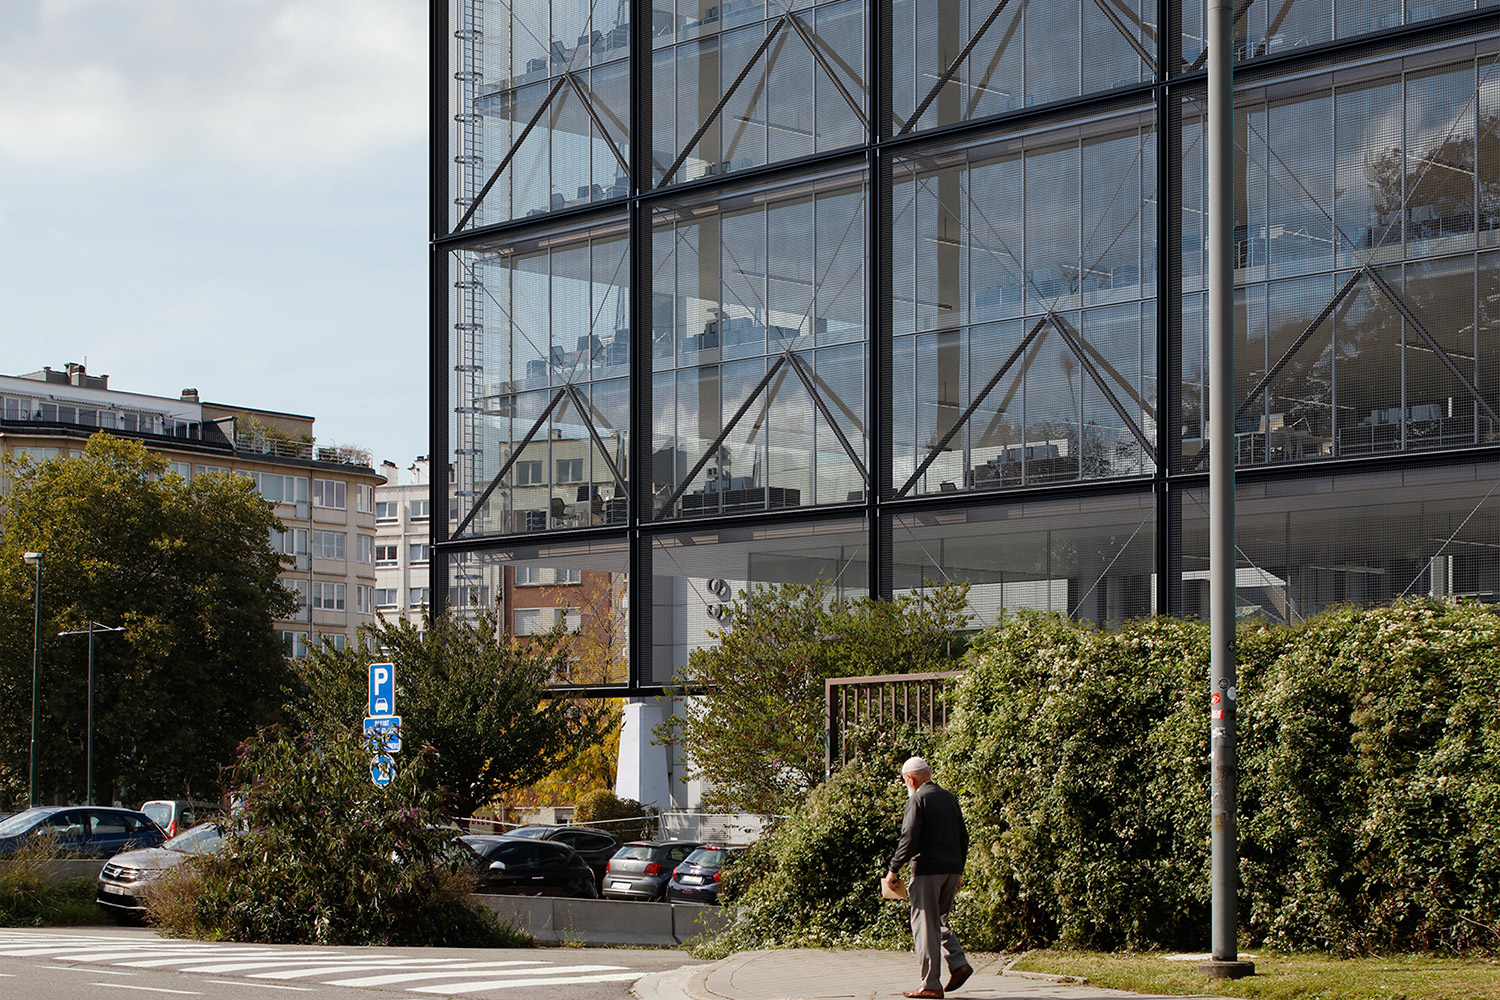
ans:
(88, 788)
(35, 558)
(1225, 962)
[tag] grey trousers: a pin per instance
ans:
(931, 898)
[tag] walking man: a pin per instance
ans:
(935, 841)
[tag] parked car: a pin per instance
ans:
(92, 831)
(696, 879)
(523, 866)
(175, 815)
(595, 846)
(125, 878)
(641, 868)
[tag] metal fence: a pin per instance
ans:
(888, 700)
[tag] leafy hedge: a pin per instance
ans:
(320, 855)
(1369, 810)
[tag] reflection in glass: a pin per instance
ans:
(1363, 539)
(695, 575)
(579, 588)
(1091, 558)
(757, 345)
(543, 393)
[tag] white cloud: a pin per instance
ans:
(286, 86)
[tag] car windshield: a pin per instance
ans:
(20, 822)
(708, 857)
(159, 812)
(201, 839)
(635, 852)
(535, 832)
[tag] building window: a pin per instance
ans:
(387, 555)
(291, 542)
(387, 597)
(572, 618)
(364, 497)
(528, 473)
(545, 576)
(183, 469)
(337, 640)
(417, 509)
(294, 644)
(328, 544)
(387, 510)
(419, 596)
(570, 470)
(420, 553)
(362, 599)
(298, 587)
(211, 470)
(470, 595)
(533, 621)
(330, 493)
(364, 548)
(327, 596)
(278, 488)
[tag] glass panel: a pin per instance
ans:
(1090, 558)
(749, 287)
(534, 588)
(1382, 173)
(803, 79)
(542, 341)
(1020, 55)
(562, 73)
(694, 575)
(1356, 539)
(1066, 393)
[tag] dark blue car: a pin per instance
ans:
(92, 831)
(696, 879)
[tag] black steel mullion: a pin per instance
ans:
(723, 100)
(598, 124)
(1135, 43)
(947, 74)
(510, 154)
(438, 291)
(713, 448)
(974, 404)
(817, 398)
(1168, 323)
(1074, 340)
(515, 453)
(642, 144)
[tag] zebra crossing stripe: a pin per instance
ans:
(227, 953)
(310, 961)
(407, 977)
(306, 973)
(502, 984)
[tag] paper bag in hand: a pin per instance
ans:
(892, 889)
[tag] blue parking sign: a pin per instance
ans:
(382, 769)
(382, 689)
(383, 733)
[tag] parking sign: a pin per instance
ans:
(382, 689)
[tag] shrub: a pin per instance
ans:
(321, 855)
(31, 895)
(605, 810)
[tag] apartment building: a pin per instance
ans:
(324, 496)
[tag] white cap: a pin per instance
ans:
(915, 764)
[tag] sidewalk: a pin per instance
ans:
(809, 974)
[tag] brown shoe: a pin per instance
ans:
(960, 976)
(924, 994)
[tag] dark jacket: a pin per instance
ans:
(933, 836)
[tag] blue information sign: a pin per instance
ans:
(383, 733)
(382, 689)
(382, 769)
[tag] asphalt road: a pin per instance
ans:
(136, 964)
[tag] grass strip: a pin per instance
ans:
(1283, 977)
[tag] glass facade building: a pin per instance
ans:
(893, 292)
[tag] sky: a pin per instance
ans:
(228, 195)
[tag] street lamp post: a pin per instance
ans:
(34, 559)
(89, 738)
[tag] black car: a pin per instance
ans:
(640, 869)
(696, 880)
(92, 831)
(595, 846)
(522, 866)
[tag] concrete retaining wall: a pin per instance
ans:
(606, 921)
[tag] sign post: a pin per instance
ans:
(382, 724)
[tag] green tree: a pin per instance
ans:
(468, 691)
(186, 570)
(754, 726)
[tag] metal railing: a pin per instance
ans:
(888, 699)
